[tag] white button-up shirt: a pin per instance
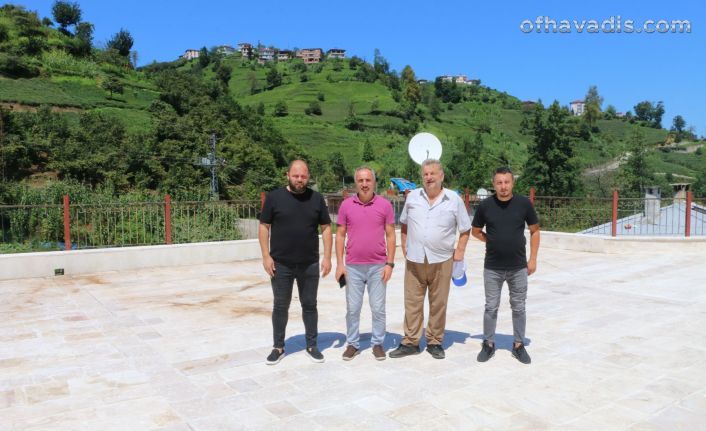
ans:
(431, 230)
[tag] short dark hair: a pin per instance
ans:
(502, 170)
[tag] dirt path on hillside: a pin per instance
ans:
(20, 107)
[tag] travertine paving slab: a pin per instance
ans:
(616, 343)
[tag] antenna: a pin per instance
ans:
(424, 146)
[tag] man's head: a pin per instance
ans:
(298, 176)
(365, 183)
(503, 181)
(432, 176)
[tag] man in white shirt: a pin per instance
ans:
(430, 219)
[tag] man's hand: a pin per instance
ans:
(340, 270)
(269, 264)
(386, 273)
(531, 266)
(458, 255)
(325, 267)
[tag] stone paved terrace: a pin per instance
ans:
(617, 343)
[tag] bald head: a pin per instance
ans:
(298, 176)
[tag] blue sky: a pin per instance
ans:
(480, 39)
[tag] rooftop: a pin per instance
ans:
(616, 343)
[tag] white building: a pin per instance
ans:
(577, 107)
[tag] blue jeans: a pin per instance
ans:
(358, 277)
(307, 276)
(517, 284)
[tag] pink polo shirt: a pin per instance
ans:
(365, 225)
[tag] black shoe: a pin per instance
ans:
(521, 354)
(404, 350)
(486, 352)
(274, 357)
(436, 351)
(314, 354)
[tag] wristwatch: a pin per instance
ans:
(390, 264)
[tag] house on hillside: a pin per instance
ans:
(226, 50)
(577, 107)
(245, 49)
(190, 54)
(310, 55)
(266, 55)
(336, 53)
(460, 79)
(284, 55)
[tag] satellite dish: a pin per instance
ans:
(424, 146)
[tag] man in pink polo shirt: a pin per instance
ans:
(368, 222)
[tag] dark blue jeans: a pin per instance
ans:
(307, 277)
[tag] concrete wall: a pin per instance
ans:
(28, 265)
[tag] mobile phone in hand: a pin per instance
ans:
(342, 281)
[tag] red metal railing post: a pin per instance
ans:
(466, 198)
(67, 224)
(532, 194)
(614, 223)
(262, 200)
(687, 216)
(167, 219)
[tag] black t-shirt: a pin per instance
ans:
(505, 230)
(295, 220)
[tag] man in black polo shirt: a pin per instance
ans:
(504, 216)
(289, 241)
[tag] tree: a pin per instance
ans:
(410, 87)
(122, 42)
(636, 172)
(337, 165)
(281, 109)
(593, 102)
(551, 166)
(66, 14)
(223, 74)
(610, 113)
(368, 154)
(678, 124)
(113, 85)
(651, 114)
(592, 96)
(380, 64)
(314, 108)
(274, 78)
(204, 58)
(84, 39)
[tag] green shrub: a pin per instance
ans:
(17, 67)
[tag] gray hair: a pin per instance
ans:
(365, 168)
(430, 162)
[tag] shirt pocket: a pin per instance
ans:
(446, 218)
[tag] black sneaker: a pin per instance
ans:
(436, 351)
(314, 354)
(520, 353)
(486, 352)
(274, 357)
(404, 350)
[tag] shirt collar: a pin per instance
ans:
(444, 196)
(357, 200)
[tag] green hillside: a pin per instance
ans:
(59, 95)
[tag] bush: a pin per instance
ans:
(321, 96)
(313, 109)
(17, 67)
(281, 109)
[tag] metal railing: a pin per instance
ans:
(51, 227)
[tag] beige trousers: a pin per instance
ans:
(418, 278)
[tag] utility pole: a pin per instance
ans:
(212, 162)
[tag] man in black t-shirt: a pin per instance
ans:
(504, 216)
(289, 241)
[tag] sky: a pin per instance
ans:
(490, 41)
